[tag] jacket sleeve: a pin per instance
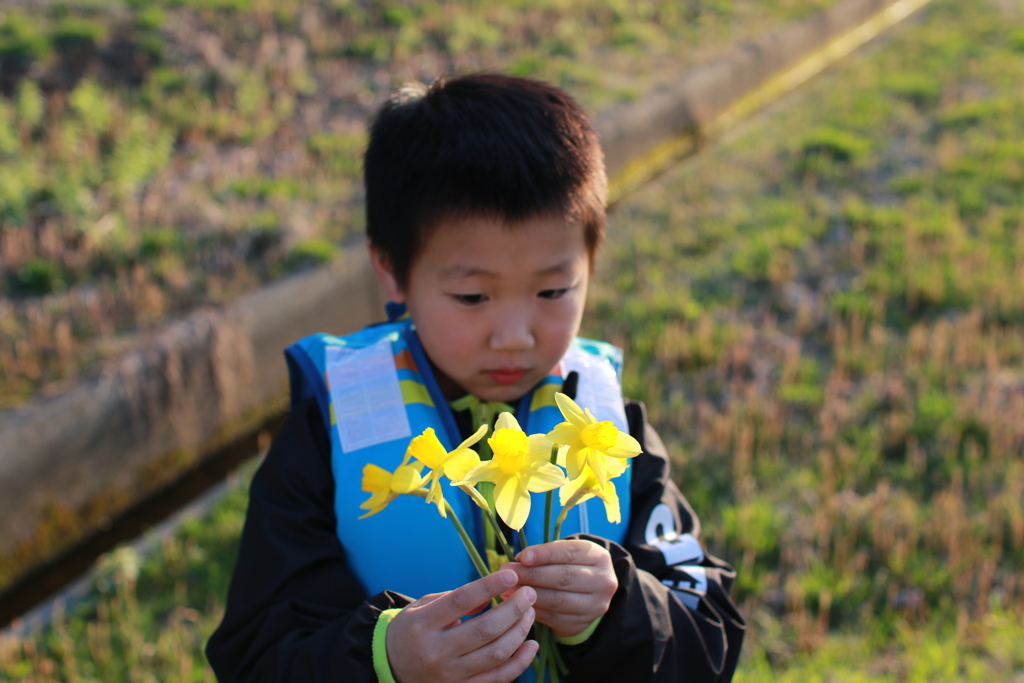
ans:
(294, 611)
(672, 618)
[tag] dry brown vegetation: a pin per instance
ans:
(158, 156)
(825, 317)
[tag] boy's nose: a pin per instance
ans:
(512, 333)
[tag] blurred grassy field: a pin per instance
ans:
(161, 155)
(825, 316)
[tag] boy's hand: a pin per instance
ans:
(427, 641)
(574, 580)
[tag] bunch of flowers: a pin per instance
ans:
(579, 457)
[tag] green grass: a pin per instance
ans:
(221, 118)
(988, 650)
(825, 318)
(844, 400)
(147, 617)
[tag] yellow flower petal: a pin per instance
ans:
(377, 499)
(625, 447)
(591, 443)
(616, 466)
(599, 465)
(406, 479)
(376, 481)
(512, 502)
(377, 502)
(564, 433)
(495, 560)
(561, 456)
(428, 449)
(506, 420)
(570, 411)
(576, 460)
(591, 487)
(600, 436)
(486, 471)
(509, 448)
(375, 478)
(374, 511)
(538, 449)
(544, 478)
(574, 485)
(460, 463)
(475, 496)
(436, 496)
(611, 504)
(479, 434)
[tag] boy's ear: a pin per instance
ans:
(386, 274)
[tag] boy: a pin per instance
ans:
(485, 207)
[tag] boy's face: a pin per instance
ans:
(495, 307)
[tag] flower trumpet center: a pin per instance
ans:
(406, 479)
(509, 447)
(600, 436)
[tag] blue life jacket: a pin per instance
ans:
(376, 391)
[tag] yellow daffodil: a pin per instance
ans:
(520, 464)
(589, 441)
(587, 485)
(384, 486)
(427, 449)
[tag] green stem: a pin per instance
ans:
(470, 548)
(522, 539)
(556, 658)
(505, 548)
(547, 516)
(548, 498)
(475, 496)
(569, 505)
(552, 657)
(540, 660)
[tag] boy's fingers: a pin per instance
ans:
(565, 602)
(465, 599)
(480, 608)
(511, 668)
(496, 652)
(562, 577)
(562, 552)
(493, 624)
(426, 599)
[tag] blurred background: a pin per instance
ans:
(823, 307)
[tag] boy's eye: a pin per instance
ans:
(553, 293)
(469, 299)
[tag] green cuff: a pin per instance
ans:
(380, 646)
(580, 637)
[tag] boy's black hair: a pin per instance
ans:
(479, 145)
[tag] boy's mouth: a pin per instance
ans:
(506, 375)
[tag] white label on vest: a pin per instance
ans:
(367, 398)
(598, 387)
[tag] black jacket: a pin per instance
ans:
(296, 613)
